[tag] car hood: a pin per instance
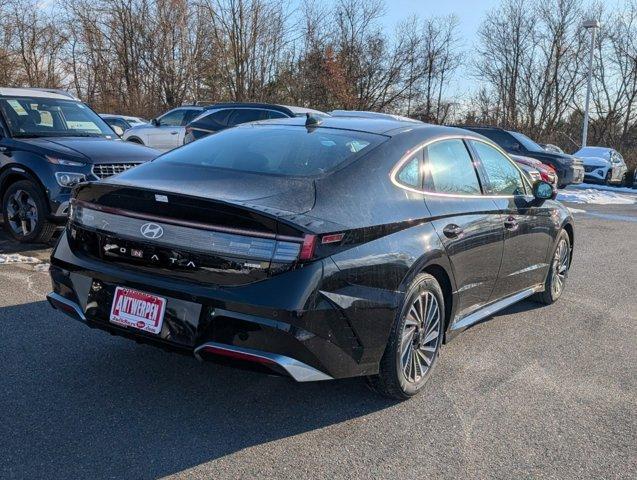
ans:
(595, 162)
(284, 194)
(92, 149)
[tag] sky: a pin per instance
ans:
(469, 13)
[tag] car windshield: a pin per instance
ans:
(276, 149)
(529, 144)
(51, 117)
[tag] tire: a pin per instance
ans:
(24, 201)
(609, 176)
(409, 358)
(555, 283)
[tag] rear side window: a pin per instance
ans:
(449, 169)
(214, 120)
(410, 173)
(274, 114)
(190, 116)
(244, 115)
(276, 149)
(504, 178)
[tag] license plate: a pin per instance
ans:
(132, 308)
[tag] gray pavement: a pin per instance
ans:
(542, 392)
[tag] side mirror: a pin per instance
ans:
(154, 122)
(118, 130)
(542, 190)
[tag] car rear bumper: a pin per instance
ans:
(283, 323)
(572, 175)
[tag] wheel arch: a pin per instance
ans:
(13, 173)
(135, 139)
(437, 265)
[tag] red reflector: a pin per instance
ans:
(307, 249)
(332, 238)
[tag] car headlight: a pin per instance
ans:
(63, 161)
(69, 179)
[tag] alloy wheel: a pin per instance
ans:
(420, 337)
(22, 213)
(561, 262)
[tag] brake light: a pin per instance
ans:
(332, 238)
(307, 249)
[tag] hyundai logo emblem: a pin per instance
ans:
(151, 230)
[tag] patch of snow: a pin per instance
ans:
(576, 210)
(595, 196)
(605, 188)
(42, 267)
(16, 258)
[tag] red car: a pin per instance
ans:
(546, 171)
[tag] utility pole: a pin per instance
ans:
(591, 25)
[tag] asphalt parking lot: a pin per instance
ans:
(546, 392)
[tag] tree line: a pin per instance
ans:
(526, 70)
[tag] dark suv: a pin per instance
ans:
(569, 169)
(225, 115)
(49, 142)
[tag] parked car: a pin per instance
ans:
(603, 164)
(547, 173)
(569, 168)
(225, 115)
(549, 147)
(121, 123)
(317, 248)
(49, 142)
(165, 132)
(368, 114)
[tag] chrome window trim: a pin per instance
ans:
(408, 155)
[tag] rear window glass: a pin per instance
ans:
(276, 149)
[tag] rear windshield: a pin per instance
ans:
(276, 149)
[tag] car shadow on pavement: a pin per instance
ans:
(80, 403)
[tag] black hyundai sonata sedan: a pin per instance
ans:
(315, 248)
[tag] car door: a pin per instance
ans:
(165, 134)
(527, 223)
(469, 224)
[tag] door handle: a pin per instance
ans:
(452, 231)
(173, 133)
(511, 224)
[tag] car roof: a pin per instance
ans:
(381, 126)
(302, 110)
(369, 114)
(36, 92)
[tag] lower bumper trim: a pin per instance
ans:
(299, 371)
(67, 306)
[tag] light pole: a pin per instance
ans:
(591, 25)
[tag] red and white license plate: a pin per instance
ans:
(132, 308)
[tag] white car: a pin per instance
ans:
(602, 164)
(165, 132)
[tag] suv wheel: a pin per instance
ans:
(25, 210)
(556, 277)
(414, 341)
